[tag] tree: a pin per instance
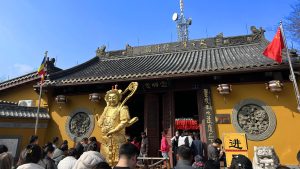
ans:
(293, 22)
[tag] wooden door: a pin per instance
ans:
(168, 118)
(152, 123)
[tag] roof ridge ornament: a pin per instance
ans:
(219, 39)
(100, 52)
(257, 33)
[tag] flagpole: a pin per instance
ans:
(40, 95)
(38, 110)
(293, 79)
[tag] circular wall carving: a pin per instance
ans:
(254, 118)
(80, 123)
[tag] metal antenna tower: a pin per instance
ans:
(182, 24)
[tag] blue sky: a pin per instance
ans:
(72, 30)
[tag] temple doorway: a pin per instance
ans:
(186, 111)
(153, 121)
(136, 109)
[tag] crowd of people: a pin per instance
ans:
(188, 152)
(85, 155)
(187, 149)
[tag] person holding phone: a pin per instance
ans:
(214, 151)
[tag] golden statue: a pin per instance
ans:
(113, 121)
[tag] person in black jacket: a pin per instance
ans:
(47, 161)
(55, 142)
(94, 140)
(174, 142)
(82, 146)
(197, 146)
(240, 162)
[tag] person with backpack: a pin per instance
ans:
(34, 140)
(181, 139)
(32, 155)
(189, 140)
(185, 139)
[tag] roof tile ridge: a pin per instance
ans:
(176, 52)
(17, 78)
(60, 73)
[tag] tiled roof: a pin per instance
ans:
(19, 80)
(15, 111)
(28, 77)
(245, 55)
(3, 102)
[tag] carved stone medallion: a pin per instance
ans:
(254, 118)
(79, 124)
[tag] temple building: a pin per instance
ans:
(212, 86)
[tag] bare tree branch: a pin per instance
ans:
(293, 23)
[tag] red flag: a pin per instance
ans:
(273, 50)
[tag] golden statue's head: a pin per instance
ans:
(113, 96)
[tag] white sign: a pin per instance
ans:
(11, 144)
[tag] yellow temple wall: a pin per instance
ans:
(14, 94)
(21, 92)
(23, 133)
(60, 112)
(285, 138)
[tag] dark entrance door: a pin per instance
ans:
(158, 117)
(136, 109)
(152, 108)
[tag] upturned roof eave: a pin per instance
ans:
(178, 76)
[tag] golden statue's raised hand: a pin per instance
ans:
(109, 133)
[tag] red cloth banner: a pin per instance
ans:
(186, 124)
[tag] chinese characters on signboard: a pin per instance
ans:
(223, 119)
(209, 116)
(168, 47)
(234, 144)
(156, 85)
